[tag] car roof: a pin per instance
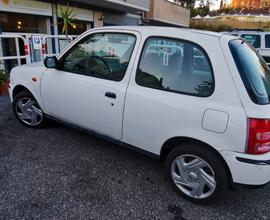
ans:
(162, 30)
(250, 31)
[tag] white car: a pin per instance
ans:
(198, 100)
(258, 39)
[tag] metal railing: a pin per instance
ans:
(46, 46)
(51, 45)
(18, 55)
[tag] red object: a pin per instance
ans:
(4, 88)
(43, 48)
(258, 136)
(26, 52)
(34, 79)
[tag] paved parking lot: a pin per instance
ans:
(62, 173)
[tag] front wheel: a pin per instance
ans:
(197, 173)
(28, 111)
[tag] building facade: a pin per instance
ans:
(42, 17)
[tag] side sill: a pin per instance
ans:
(104, 137)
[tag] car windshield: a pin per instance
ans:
(254, 40)
(253, 70)
(267, 41)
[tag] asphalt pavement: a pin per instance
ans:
(62, 173)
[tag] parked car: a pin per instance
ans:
(198, 100)
(258, 39)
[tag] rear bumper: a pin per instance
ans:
(248, 169)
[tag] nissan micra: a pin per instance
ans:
(199, 101)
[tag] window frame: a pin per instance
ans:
(62, 57)
(175, 91)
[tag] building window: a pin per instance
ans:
(176, 66)
(22, 23)
(78, 28)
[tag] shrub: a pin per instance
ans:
(4, 76)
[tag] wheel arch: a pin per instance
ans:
(19, 88)
(172, 142)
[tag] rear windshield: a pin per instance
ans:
(253, 70)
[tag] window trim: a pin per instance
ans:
(63, 56)
(175, 91)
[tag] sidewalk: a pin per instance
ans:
(5, 108)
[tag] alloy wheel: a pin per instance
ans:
(29, 111)
(193, 176)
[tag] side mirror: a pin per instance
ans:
(51, 62)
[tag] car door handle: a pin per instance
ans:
(110, 95)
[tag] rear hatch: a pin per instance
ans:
(251, 76)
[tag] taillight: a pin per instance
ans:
(258, 136)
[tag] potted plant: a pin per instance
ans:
(67, 15)
(4, 81)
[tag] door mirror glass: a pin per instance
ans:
(51, 62)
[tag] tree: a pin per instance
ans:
(67, 15)
(185, 3)
(221, 4)
(203, 9)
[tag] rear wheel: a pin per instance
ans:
(28, 111)
(197, 173)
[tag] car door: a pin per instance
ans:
(168, 93)
(88, 88)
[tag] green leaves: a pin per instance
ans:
(67, 14)
(4, 76)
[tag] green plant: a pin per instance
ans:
(4, 76)
(67, 15)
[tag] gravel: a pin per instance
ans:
(62, 173)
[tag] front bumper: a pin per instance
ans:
(10, 91)
(248, 169)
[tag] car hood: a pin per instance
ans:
(22, 72)
(36, 64)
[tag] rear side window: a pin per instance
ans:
(267, 41)
(253, 70)
(254, 40)
(175, 66)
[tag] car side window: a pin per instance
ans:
(102, 55)
(267, 41)
(176, 66)
(254, 40)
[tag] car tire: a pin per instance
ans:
(28, 111)
(197, 173)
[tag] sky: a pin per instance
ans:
(216, 4)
